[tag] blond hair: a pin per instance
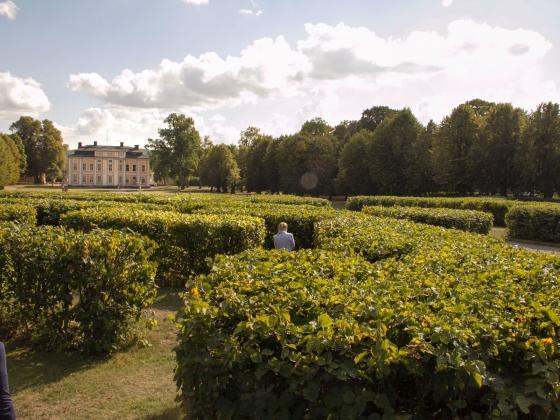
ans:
(282, 227)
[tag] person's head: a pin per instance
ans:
(282, 227)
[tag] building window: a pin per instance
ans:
(91, 166)
(99, 179)
(110, 179)
(83, 166)
(142, 180)
(91, 179)
(76, 166)
(133, 168)
(99, 164)
(134, 180)
(110, 166)
(143, 168)
(127, 168)
(120, 179)
(120, 166)
(83, 178)
(126, 180)
(75, 179)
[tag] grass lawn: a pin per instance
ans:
(135, 384)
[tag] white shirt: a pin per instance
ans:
(284, 240)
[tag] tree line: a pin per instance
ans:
(479, 148)
(34, 149)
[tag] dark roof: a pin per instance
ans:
(89, 151)
(82, 153)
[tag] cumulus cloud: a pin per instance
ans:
(334, 71)
(8, 9)
(196, 2)
(19, 95)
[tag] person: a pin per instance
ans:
(283, 239)
(6, 406)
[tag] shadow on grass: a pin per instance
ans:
(168, 299)
(174, 413)
(31, 368)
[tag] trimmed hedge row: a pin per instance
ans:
(460, 326)
(65, 289)
(498, 207)
(188, 241)
(301, 219)
(535, 222)
(467, 220)
(17, 213)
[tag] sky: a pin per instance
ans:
(112, 70)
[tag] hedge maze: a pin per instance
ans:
(393, 309)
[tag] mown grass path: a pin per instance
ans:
(135, 384)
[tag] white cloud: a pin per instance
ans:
(196, 2)
(446, 3)
(9, 9)
(250, 12)
(18, 95)
(334, 72)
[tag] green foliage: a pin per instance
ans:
(353, 165)
(468, 220)
(498, 207)
(44, 148)
(535, 222)
(301, 219)
(19, 213)
(219, 169)
(177, 150)
(10, 160)
(64, 289)
(189, 241)
(453, 329)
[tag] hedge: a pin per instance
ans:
(65, 289)
(452, 329)
(188, 241)
(535, 222)
(467, 220)
(498, 207)
(301, 219)
(17, 213)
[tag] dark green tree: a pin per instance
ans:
(176, 152)
(372, 117)
(541, 150)
(44, 148)
(10, 161)
(219, 169)
(353, 166)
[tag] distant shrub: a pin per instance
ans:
(467, 220)
(539, 222)
(65, 289)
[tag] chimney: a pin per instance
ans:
(136, 147)
(122, 143)
(95, 143)
(79, 145)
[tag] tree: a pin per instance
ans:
(541, 149)
(372, 117)
(247, 141)
(391, 151)
(44, 148)
(10, 161)
(501, 143)
(272, 165)
(454, 163)
(219, 169)
(419, 172)
(353, 166)
(256, 164)
(316, 127)
(176, 152)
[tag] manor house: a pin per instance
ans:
(108, 166)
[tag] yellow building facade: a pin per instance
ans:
(108, 166)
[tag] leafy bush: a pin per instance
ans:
(301, 219)
(66, 289)
(467, 220)
(188, 240)
(17, 213)
(498, 207)
(535, 222)
(463, 329)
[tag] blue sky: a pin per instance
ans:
(115, 68)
